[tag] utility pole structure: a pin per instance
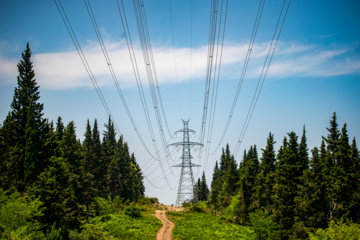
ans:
(186, 190)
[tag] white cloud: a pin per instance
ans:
(64, 70)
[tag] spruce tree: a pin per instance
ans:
(31, 156)
(303, 152)
(98, 161)
(287, 179)
(347, 177)
(265, 179)
(26, 93)
(229, 177)
(140, 188)
(247, 184)
(108, 149)
(215, 188)
(87, 181)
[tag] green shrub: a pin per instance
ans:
(102, 206)
(88, 232)
(199, 207)
(147, 200)
(19, 217)
(133, 211)
(188, 225)
(337, 231)
(263, 225)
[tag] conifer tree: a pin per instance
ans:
(265, 178)
(287, 178)
(31, 158)
(347, 177)
(201, 188)
(108, 148)
(303, 152)
(116, 168)
(229, 177)
(215, 188)
(70, 149)
(98, 161)
(247, 184)
(26, 93)
(87, 181)
(140, 188)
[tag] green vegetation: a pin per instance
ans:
(119, 226)
(51, 183)
(338, 231)
(194, 225)
(290, 195)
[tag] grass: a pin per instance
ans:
(194, 225)
(120, 226)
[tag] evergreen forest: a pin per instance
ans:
(293, 191)
(54, 186)
(51, 182)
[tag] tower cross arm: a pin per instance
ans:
(185, 143)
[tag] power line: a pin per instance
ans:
(246, 62)
(112, 72)
(140, 14)
(262, 76)
(173, 47)
(83, 60)
(125, 26)
(216, 80)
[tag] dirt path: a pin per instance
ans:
(165, 231)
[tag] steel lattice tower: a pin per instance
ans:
(186, 190)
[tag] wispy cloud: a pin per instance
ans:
(64, 70)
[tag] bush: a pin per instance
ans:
(147, 200)
(338, 231)
(263, 225)
(102, 206)
(133, 211)
(199, 207)
(19, 217)
(89, 232)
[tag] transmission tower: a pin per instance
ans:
(186, 190)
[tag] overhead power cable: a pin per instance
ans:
(140, 13)
(125, 26)
(175, 67)
(263, 74)
(216, 81)
(112, 72)
(83, 60)
(246, 62)
(215, 50)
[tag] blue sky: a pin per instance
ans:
(314, 72)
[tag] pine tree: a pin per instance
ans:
(140, 188)
(201, 188)
(265, 179)
(31, 158)
(347, 177)
(229, 176)
(287, 179)
(247, 184)
(98, 161)
(118, 166)
(26, 93)
(215, 188)
(333, 137)
(303, 152)
(108, 148)
(70, 149)
(204, 188)
(89, 191)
